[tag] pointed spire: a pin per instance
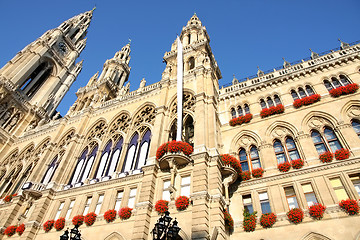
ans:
(343, 45)
(194, 20)
(313, 54)
(286, 63)
(234, 81)
(260, 73)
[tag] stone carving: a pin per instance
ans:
(188, 103)
(146, 115)
(354, 111)
(66, 140)
(317, 122)
(280, 132)
(97, 131)
(120, 124)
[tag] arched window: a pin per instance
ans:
(329, 141)
(233, 113)
(191, 63)
(262, 104)
(344, 80)
(74, 34)
(243, 160)
(335, 82)
(144, 150)
(188, 130)
(246, 108)
(332, 139)
(302, 93)
(50, 171)
(294, 95)
(309, 90)
(130, 155)
(291, 149)
(356, 126)
(277, 100)
(103, 160)
(36, 79)
(22, 180)
(88, 164)
(79, 167)
(240, 111)
(249, 161)
(114, 158)
(318, 142)
(254, 157)
(270, 102)
(328, 85)
(279, 152)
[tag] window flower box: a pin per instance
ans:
(227, 159)
(284, 167)
(125, 213)
(240, 120)
(297, 164)
(344, 90)
(306, 100)
(350, 206)
(47, 226)
(342, 154)
(249, 223)
(110, 215)
(246, 175)
(174, 147)
(90, 219)
(295, 215)
(59, 224)
(317, 211)
(257, 172)
(326, 157)
(229, 222)
(267, 220)
(10, 230)
(78, 220)
(162, 206)
(272, 111)
(20, 229)
(182, 202)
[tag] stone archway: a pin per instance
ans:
(315, 236)
(114, 236)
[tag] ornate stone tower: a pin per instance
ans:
(34, 82)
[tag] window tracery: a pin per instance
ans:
(188, 103)
(97, 131)
(122, 123)
(146, 115)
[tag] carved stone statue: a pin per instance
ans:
(12, 122)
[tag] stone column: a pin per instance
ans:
(159, 126)
(307, 149)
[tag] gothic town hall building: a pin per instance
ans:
(283, 126)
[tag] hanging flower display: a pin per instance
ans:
(8, 198)
(227, 159)
(257, 172)
(342, 154)
(125, 213)
(182, 202)
(229, 222)
(249, 223)
(48, 225)
(295, 215)
(317, 211)
(10, 230)
(240, 120)
(110, 215)
(344, 90)
(284, 167)
(78, 220)
(246, 175)
(307, 100)
(350, 206)
(267, 220)
(59, 224)
(174, 147)
(297, 163)
(326, 157)
(90, 218)
(272, 111)
(20, 229)
(162, 206)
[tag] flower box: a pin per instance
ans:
(110, 215)
(10, 230)
(306, 100)
(8, 198)
(295, 215)
(162, 206)
(229, 222)
(227, 159)
(344, 90)
(350, 206)
(267, 220)
(20, 229)
(59, 224)
(90, 219)
(317, 211)
(257, 172)
(326, 157)
(240, 120)
(125, 213)
(182, 202)
(284, 167)
(297, 164)
(78, 220)
(342, 154)
(174, 147)
(249, 223)
(47, 226)
(272, 111)
(246, 175)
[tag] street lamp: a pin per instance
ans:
(74, 234)
(164, 229)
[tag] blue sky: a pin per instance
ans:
(244, 34)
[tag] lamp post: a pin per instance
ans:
(74, 234)
(164, 229)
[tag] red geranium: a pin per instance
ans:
(317, 211)
(229, 222)
(240, 120)
(20, 229)
(267, 220)
(307, 100)
(78, 220)
(344, 90)
(342, 154)
(272, 110)
(59, 224)
(10, 230)
(350, 206)
(8, 198)
(48, 225)
(284, 167)
(297, 164)
(227, 159)
(182, 202)
(90, 218)
(326, 157)
(249, 223)
(162, 206)
(174, 147)
(257, 172)
(295, 215)
(110, 215)
(125, 213)
(245, 175)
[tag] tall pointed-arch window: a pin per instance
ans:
(246, 108)
(254, 157)
(130, 155)
(291, 149)
(326, 141)
(240, 111)
(356, 125)
(191, 63)
(332, 139)
(12, 178)
(335, 83)
(233, 113)
(249, 160)
(50, 171)
(88, 164)
(318, 142)
(243, 160)
(22, 179)
(287, 153)
(103, 160)
(279, 152)
(36, 79)
(144, 150)
(294, 95)
(114, 158)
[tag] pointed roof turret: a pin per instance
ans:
(343, 45)
(260, 73)
(194, 20)
(313, 54)
(286, 63)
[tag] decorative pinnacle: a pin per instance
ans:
(94, 8)
(129, 41)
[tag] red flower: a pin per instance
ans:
(78, 220)
(326, 157)
(125, 213)
(284, 167)
(162, 206)
(307, 100)
(245, 175)
(229, 222)
(90, 218)
(227, 159)
(249, 223)
(257, 172)
(48, 225)
(317, 211)
(295, 215)
(20, 229)
(240, 120)
(110, 215)
(8, 198)
(267, 220)
(344, 90)
(272, 110)
(59, 224)
(350, 206)
(342, 154)
(182, 202)
(297, 164)
(10, 230)
(174, 147)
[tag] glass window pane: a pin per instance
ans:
(242, 155)
(309, 90)
(316, 137)
(185, 180)
(344, 80)
(270, 102)
(328, 86)
(247, 109)
(294, 155)
(302, 93)
(355, 179)
(292, 202)
(334, 145)
(280, 158)
(248, 203)
(265, 207)
(254, 153)
(278, 147)
(277, 100)
(262, 104)
(245, 166)
(290, 144)
(256, 164)
(341, 194)
(335, 82)
(320, 148)
(294, 95)
(310, 199)
(356, 126)
(240, 111)
(329, 134)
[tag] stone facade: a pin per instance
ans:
(102, 154)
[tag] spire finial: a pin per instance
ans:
(195, 13)
(94, 8)
(129, 41)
